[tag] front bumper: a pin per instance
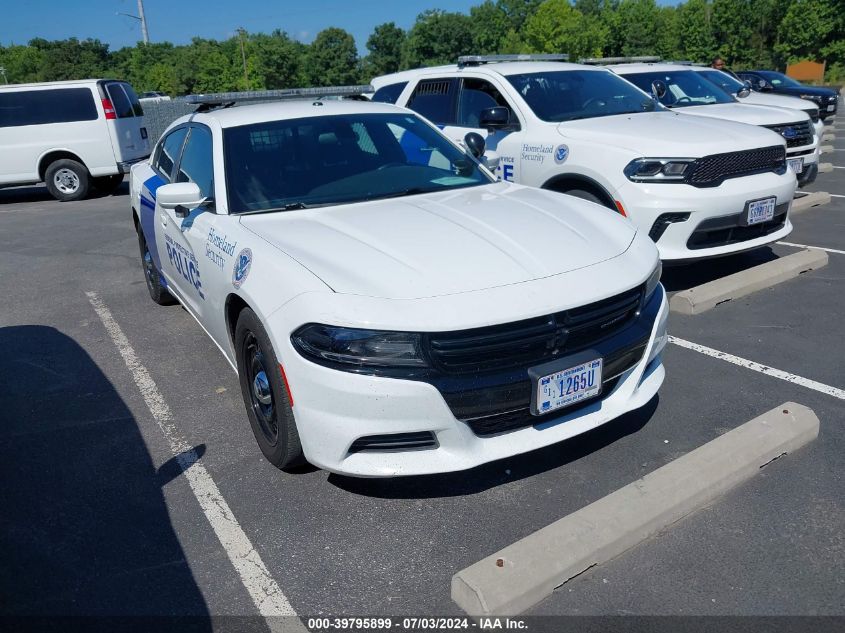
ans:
(646, 203)
(333, 409)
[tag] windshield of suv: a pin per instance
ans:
(723, 80)
(317, 161)
(683, 88)
(779, 79)
(567, 95)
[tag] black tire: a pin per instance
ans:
(67, 180)
(108, 184)
(265, 394)
(152, 276)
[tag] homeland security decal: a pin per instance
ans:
(561, 154)
(242, 266)
(218, 248)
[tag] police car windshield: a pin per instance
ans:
(723, 80)
(318, 161)
(683, 88)
(567, 95)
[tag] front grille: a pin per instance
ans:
(394, 442)
(532, 341)
(712, 170)
(801, 133)
(729, 230)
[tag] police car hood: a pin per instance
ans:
(778, 101)
(446, 243)
(668, 134)
(747, 113)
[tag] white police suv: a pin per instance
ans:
(389, 307)
(681, 87)
(697, 187)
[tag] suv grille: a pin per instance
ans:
(801, 133)
(532, 341)
(711, 171)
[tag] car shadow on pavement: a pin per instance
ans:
(39, 193)
(84, 527)
(503, 471)
(685, 276)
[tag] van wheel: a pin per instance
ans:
(152, 276)
(265, 394)
(67, 180)
(108, 184)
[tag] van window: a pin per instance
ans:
(39, 107)
(133, 99)
(197, 164)
(168, 152)
(124, 100)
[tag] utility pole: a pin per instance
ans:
(144, 34)
(3, 72)
(241, 33)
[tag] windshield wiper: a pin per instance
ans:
(291, 206)
(411, 191)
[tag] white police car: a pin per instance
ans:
(698, 187)
(688, 90)
(389, 307)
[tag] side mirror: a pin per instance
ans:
(497, 118)
(475, 143)
(743, 92)
(180, 196)
(658, 89)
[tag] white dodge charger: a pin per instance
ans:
(389, 307)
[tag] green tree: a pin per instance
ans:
(807, 25)
(22, 63)
(71, 58)
(557, 27)
(490, 25)
(278, 60)
(385, 46)
(332, 59)
(437, 37)
(695, 31)
(641, 30)
(733, 26)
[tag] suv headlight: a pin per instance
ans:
(353, 349)
(659, 169)
(653, 282)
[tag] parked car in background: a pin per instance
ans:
(679, 87)
(698, 187)
(154, 96)
(778, 83)
(71, 135)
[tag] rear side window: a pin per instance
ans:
(435, 100)
(196, 164)
(168, 152)
(389, 94)
(133, 99)
(39, 107)
(124, 100)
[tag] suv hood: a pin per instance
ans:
(778, 101)
(668, 134)
(747, 113)
(816, 91)
(446, 243)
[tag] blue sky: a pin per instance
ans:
(178, 20)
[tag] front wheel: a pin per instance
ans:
(265, 394)
(67, 180)
(152, 276)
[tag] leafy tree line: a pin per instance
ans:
(747, 33)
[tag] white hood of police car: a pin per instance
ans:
(747, 113)
(445, 243)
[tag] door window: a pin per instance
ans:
(197, 164)
(40, 107)
(168, 152)
(389, 94)
(477, 95)
(435, 100)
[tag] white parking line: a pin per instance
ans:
(262, 588)
(818, 248)
(763, 369)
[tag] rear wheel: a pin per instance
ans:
(67, 180)
(265, 394)
(152, 276)
(108, 184)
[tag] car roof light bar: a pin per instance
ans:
(684, 62)
(619, 60)
(217, 99)
(477, 60)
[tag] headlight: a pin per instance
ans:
(353, 348)
(659, 169)
(653, 281)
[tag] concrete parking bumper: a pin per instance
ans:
(521, 575)
(804, 201)
(707, 296)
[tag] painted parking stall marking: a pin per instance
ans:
(758, 367)
(818, 248)
(262, 588)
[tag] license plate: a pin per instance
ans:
(831, 108)
(796, 165)
(565, 388)
(143, 132)
(761, 210)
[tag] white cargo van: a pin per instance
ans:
(71, 135)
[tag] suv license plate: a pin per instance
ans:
(760, 210)
(796, 165)
(565, 388)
